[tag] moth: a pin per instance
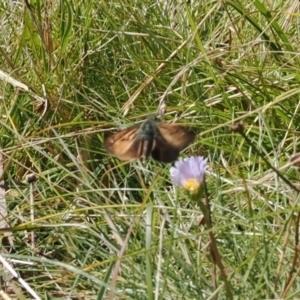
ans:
(163, 141)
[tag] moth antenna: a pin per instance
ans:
(162, 109)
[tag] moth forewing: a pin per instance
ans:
(123, 144)
(176, 135)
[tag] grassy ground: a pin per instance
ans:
(74, 72)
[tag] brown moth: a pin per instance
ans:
(163, 141)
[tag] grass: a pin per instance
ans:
(98, 228)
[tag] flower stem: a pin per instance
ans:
(214, 252)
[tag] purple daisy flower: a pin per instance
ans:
(189, 173)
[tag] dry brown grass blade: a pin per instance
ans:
(7, 240)
(149, 80)
(3, 206)
(161, 67)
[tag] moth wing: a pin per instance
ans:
(176, 135)
(164, 151)
(124, 144)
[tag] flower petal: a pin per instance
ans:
(188, 170)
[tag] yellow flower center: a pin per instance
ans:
(191, 185)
